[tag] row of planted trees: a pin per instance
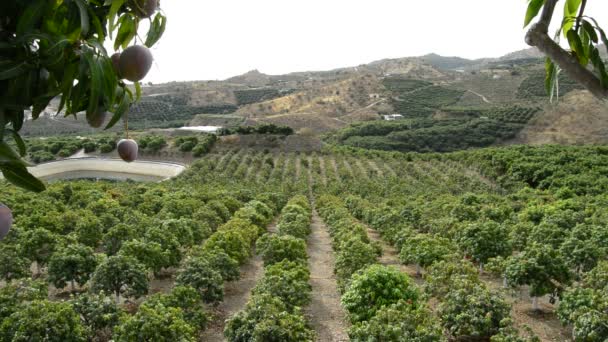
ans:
(107, 241)
(547, 243)
(274, 311)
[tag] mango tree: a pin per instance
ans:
(55, 49)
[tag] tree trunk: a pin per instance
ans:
(38, 269)
(481, 268)
(418, 270)
(73, 285)
(535, 303)
(505, 284)
(117, 297)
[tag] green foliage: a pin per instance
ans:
(274, 249)
(55, 49)
(266, 128)
(152, 143)
(38, 245)
(398, 322)
(73, 263)
(120, 275)
(98, 313)
(249, 96)
(425, 249)
(220, 261)
(185, 298)
(471, 311)
(12, 263)
(150, 254)
(19, 293)
(43, 320)
(199, 274)
(540, 267)
(266, 318)
(375, 287)
(114, 238)
(288, 281)
(484, 240)
(441, 276)
(155, 323)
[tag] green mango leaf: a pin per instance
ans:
(19, 141)
(116, 5)
(8, 156)
(84, 16)
(602, 33)
(577, 46)
(570, 13)
(96, 80)
(590, 31)
(122, 107)
(157, 29)
(533, 9)
(599, 66)
(19, 176)
(126, 31)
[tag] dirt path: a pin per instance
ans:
(285, 166)
(348, 167)
(375, 167)
(325, 312)
(322, 168)
(388, 168)
(361, 168)
(236, 294)
(390, 256)
(483, 98)
(334, 166)
(298, 167)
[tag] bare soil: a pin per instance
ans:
(325, 312)
(236, 295)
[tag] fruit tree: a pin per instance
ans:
(55, 49)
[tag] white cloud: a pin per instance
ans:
(220, 39)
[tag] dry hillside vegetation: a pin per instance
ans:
(578, 118)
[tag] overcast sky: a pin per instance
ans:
(208, 40)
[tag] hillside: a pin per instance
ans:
(443, 95)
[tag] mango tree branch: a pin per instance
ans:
(538, 36)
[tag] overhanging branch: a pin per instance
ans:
(538, 36)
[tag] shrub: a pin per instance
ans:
(353, 255)
(288, 281)
(265, 318)
(98, 312)
(375, 287)
(274, 249)
(185, 298)
(231, 242)
(219, 261)
(43, 320)
(424, 249)
(398, 322)
(471, 311)
(106, 148)
(198, 273)
(155, 323)
(442, 276)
